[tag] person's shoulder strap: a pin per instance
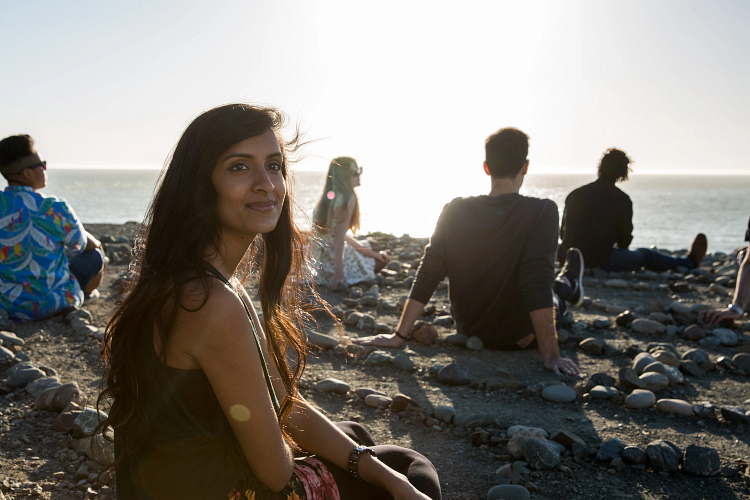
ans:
(215, 272)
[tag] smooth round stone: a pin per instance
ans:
(592, 346)
(726, 336)
(332, 385)
(674, 375)
(474, 343)
(513, 429)
(640, 398)
(559, 394)
(679, 308)
(377, 401)
(508, 492)
(695, 355)
(363, 392)
(675, 406)
(602, 392)
(641, 361)
(445, 413)
(655, 367)
(666, 357)
(518, 441)
(742, 361)
(654, 381)
(616, 283)
(647, 326)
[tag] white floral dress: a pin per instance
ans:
(357, 267)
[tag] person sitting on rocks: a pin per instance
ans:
(340, 259)
(47, 259)
(598, 220)
(736, 309)
(498, 253)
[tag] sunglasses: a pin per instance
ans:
(42, 164)
(356, 172)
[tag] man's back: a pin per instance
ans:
(498, 254)
(597, 216)
(36, 232)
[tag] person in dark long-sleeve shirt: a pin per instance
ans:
(498, 252)
(598, 220)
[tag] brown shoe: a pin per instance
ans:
(698, 250)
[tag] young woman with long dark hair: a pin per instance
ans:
(203, 402)
(340, 258)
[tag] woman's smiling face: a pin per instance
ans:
(250, 187)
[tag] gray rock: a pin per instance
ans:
(363, 392)
(98, 449)
(404, 363)
(480, 419)
(647, 326)
(21, 374)
(457, 339)
(517, 443)
(366, 322)
(616, 283)
(508, 492)
(726, 336)
(474, 343)
(540, 454)
(377, 401)
(710, 342)
(567, 438)
(641, 361)
(21, 357)
(333, 385)
(735, 414)
(446, 321)
(86, 422)
(57, 398)
(609, 450)
(602, 392)
(677, 406)
(353, 319)
(592, 346)
(666, 357)
(378, 358)
(628, 379)
(369, 300)
(691, 368)
(655, 367)
(9, 339)
(664, 455)
(741, 360)
(704, 410)
(700, 461)
(39, 385)
(679, 308)
(602, 322)
(640, 398)
(559, 394)
(602, 379)
(654, 381)
(674, 375)
(454, 374)
(625, 318)
(316, 339)
(382, 328)
(512, 430)
(694, 332)
(401, 402)
(444, 414)
(634, 455)
(6, 356)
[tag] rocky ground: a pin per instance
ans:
(659, 412)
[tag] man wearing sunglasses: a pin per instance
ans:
(47, 259)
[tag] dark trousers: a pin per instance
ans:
(420, 471)
(632, 260)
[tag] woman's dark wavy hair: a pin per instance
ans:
(180, 228)
(614, 165)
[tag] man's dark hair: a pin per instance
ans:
(14, 148)
(614, 165)
(505, 152)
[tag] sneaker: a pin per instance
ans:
(91, 297)
(698, 250)
(573, 270)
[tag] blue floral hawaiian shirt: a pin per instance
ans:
(38, 234)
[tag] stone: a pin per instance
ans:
(444, 413)
(404, 363)
(508, 492)
(98, 449)
(333, 385)
(741, 361)
(694, 332)
(609, 450)
(602, 379)
(654, 381)
(602, 392)
(641, 361)
(457, 339)
(664, 455)
(676, 406)
(726, 336)
(700, 461)
(36, 387)
(559, 394)
(366, 322)
(616, 283)
(679, 308)
(21, 374)
(647, 326)
(602, 322)
(353, 319)
(474, 343)
(425, 334)
(640, 398)
(628, 379)
(655, 367)
(471, 419)
(382, 328)
(316, 339)
(540, 454)
(704, 410)
(65, 420)
(660, 317)
(86, 422)
(710, 342)
(9, 338)
(446, 321)
(592, 346)
(625, 318)
(513, 429)
(692, 368)
(401, 402)
(454, 374)
(735, 414)
(377, 401)
(363, 392)
(634, 455)
(6, 355)
(567, 438)
(518, 441)
(378, 358)
(674, 375)
(58, 398)
(666, 357)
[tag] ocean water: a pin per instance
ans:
(668, 210)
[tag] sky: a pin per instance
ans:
(410, 89)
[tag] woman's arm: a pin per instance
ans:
(343, 216)
(368, 252)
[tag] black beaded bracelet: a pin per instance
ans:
(401, 336)
(354, 459)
